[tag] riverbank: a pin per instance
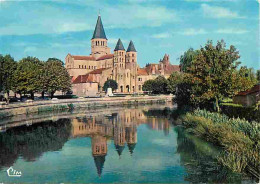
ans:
(62, 104)
(238, 138)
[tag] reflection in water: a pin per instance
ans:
(30, 142)
(120, 127)
(196, 157)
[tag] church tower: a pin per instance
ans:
(119, 65)
(99, 41)
(131, 64)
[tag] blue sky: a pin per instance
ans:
(55, 28)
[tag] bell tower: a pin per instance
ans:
(99, 40)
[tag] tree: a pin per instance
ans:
(110, 84)
(54, 77)
(7, 69)
(174, 79)
(211, 73)
(148, 85)
(156, 86)
(27, 76)
(258, 75)
(187, 58)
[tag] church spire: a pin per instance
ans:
(119, 45)
(99, 30)
(131, 47)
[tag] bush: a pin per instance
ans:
(239, 111)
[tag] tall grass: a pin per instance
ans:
(239, 138)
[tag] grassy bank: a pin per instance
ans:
(239, 138)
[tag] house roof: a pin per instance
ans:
(98, 71)
(142, 71)
(172, 68)
(107, 56)
(83, 79)
(99, 30)
(119, 45)
(131, 47)
(83, 58)
(254, 89)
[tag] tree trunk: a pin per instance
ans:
(217, 105)
(20, 96)
(52, 93)
(32, 95)
(42, 94)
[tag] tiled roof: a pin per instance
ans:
(99, 30)
(83, 58)
(83, 79)
(254, 89)
(108, 56)
(119, 45)
(98, 71)
(172, 68)
(142, 71)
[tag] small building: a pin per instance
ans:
(84, 86)
(249, 97)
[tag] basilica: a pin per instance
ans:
(89, 73)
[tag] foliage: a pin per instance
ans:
(54, 77)
(258, 75)
(156, 86)
(239, 138)
(148, 85)
(110, 84)
(243, 79)
(27, 75)
(239, 111)
(174, 79)
(187, 59)
(7, 69)
(211, 72)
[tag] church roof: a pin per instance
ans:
(119, 149)
(107, 56)
(142, 71)
(131, 47)
(98, 71)
(119, 45)
(91, 58)
(99, 30)
(99, 162)
(83, 79)
(131, 147)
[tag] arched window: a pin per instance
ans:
(96, 43)
(85, 66)
(79, 66)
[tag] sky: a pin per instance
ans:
(45, 28)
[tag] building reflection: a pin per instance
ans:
(120, 127)
(31, 141)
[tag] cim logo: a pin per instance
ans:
(13, 173)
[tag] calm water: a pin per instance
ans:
(110, 145)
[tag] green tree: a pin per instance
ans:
(245, 79)
(27, 76)
(174, 79)
(148, 85)
(211, 73)
(7, 69)
(258, 75)
(156, 86)
(54, 77)
(110, 84)
(187, 58)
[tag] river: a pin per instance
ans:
(122, 145)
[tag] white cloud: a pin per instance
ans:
(161, 35)
(218, 12)
(33, 20)
(232, 31)
(192, 32)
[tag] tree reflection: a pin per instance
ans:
(30, 142)
(200, 161)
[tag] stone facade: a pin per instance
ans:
(121, 66)
(248, 98)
